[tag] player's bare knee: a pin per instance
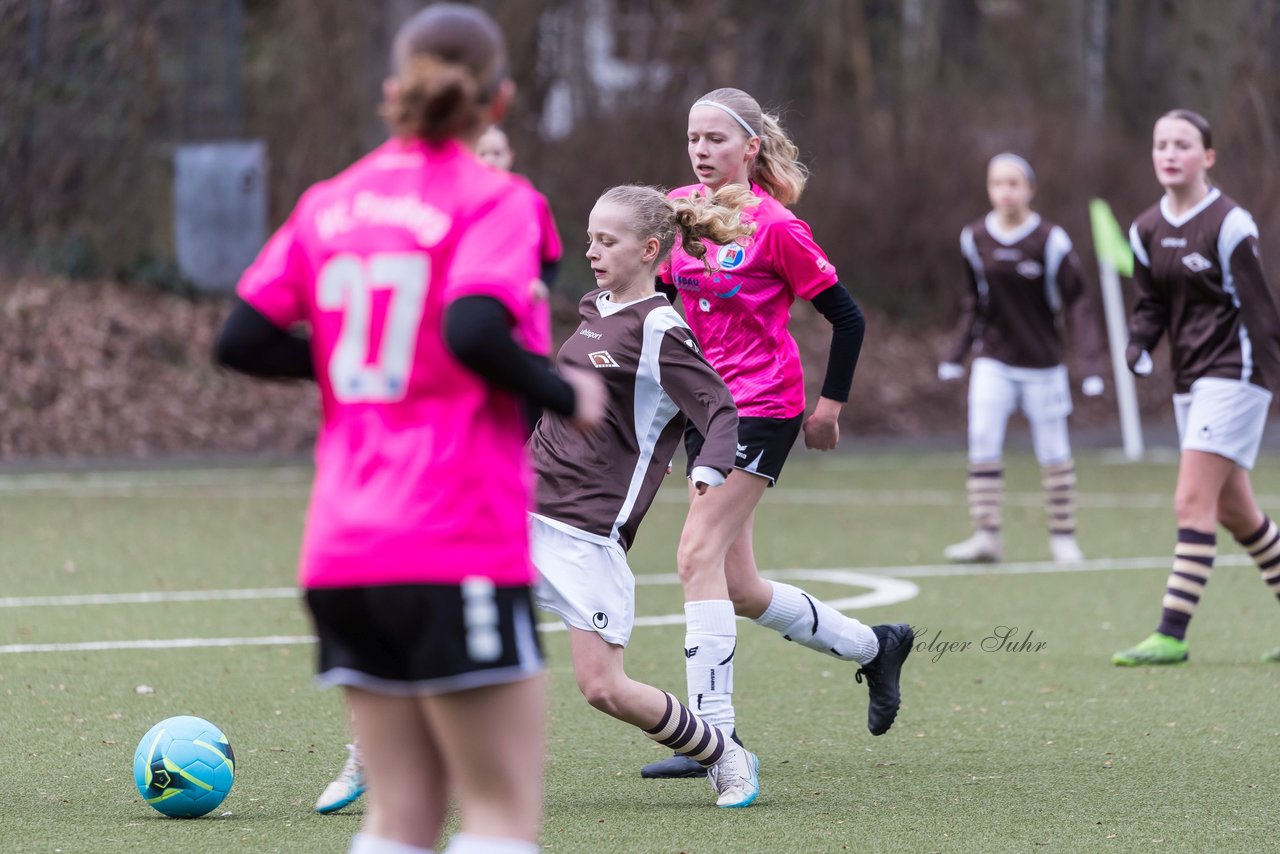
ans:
(750, 601)
(600, 693)
(1191, 506)
(1239, 520)
(693, 560)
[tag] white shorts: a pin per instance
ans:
(584, 578)
(1223, 417)
(1039, 392)
(997, 390)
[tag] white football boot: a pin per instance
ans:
(1064, 549)
(982, 547)
(347, 787)
(736, 777)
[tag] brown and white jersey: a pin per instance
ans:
(604, 481)
(1199, 277)
(1018, 286)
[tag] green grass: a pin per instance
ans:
(993, 751)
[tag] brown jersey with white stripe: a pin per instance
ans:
(1199, 277)
(603, 482)
(1018, 286)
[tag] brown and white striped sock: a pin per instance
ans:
(684, 732)
(985, 489)
(1192, 565)
(1059, 482)
(1263, 545)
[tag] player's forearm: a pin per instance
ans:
(848, 327)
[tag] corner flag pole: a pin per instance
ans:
(1115, 257)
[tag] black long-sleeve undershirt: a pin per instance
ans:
(477, 330)
(848, 327)
(251, 344)
(550, 273)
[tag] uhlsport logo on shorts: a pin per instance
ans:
(602, 359)
(599, 619)
(731, 256)
(1196, 262)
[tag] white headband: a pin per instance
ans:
(1016, 161)
(731, 111)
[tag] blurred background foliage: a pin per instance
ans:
(896, 107)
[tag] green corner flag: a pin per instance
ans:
(1108, 240)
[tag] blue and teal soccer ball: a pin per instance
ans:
(184, 766)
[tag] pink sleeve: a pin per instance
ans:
(799, 261)
(552, 248)
(498, 253)
(664, 271)
(276, 282)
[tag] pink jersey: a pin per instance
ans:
(739, 312)
(539, 339)
(421, 476)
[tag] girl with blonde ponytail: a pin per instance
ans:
(594, 488)
(738, 302)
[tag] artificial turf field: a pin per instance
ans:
(1008, 750)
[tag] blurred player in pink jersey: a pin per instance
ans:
(738, 312)
(411, 270)
(494, 148)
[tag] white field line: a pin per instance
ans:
(886, 588)
(169, 643)
(151, 597)
(288, 490)
(883, 591)
(859, 576)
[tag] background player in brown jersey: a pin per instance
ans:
(1199, 279)
(1021, 277)
(594, 488)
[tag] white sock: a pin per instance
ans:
(711, 636)
(469, 843)
(810, 622)
(367, 843)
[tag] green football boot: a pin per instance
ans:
(1156, 649)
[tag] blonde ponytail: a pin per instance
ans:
(717, 217)
(777, 168)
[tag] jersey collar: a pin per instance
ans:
(606, 306)
(1019, 234)
(1179, 221)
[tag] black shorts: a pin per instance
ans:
(763, 444)
(413, 639)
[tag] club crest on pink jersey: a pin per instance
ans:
(731, 256)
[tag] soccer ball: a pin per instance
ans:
(184, 766)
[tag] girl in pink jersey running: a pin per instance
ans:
(412, 271)
(739, 312)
